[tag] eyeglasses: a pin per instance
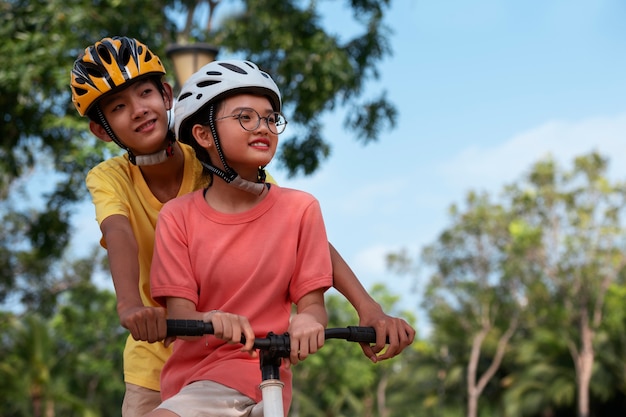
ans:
(250, 120)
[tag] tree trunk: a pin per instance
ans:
(381, 394)
(472, 404)
(475, 385)
(585, 366)
(472, 370)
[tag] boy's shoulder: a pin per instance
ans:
(292, 194)
(118, 163)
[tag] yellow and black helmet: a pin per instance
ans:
(107, 65)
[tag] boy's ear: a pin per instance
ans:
(99, 131)
(168, 95)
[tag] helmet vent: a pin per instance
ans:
(207, 83)
(104, 53)
(184, 96)
(233, 68)
(125, 54)
(93, 70)
(80, 91)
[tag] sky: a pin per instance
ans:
(484, 89)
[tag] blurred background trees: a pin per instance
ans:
(523, 291)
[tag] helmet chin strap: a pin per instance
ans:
(157, 157)
(139, 160)
(236, 181)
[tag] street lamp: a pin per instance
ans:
(189, 58)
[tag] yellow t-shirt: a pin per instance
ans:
(118, 187)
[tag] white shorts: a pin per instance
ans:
(210, 399)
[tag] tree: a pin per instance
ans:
(477, 287)
(316, 73)
(580, 216)
(544, 255)
(41, 129)
(68, 364)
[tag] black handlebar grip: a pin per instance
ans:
(361, 334)
(188, 328)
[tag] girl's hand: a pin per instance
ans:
(306, 336)
(230, 327)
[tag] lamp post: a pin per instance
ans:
(188, 58)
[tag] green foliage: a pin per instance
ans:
(41, 129)
(69, 365)
(549, 254)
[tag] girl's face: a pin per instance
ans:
(245, 150)
(138, 116)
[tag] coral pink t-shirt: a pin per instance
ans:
(256, 264)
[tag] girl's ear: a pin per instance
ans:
(99, 132)
(202, 135)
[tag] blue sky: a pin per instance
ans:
(484, 89)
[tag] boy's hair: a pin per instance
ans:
(108, 65)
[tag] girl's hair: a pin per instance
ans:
(201, 117)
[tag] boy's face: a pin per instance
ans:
(137, 115)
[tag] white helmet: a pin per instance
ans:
(211, 83)
(218, 80)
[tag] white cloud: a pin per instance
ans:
(506, 162)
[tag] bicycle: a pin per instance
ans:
(273, 349)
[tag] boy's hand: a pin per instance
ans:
(145, 323)
(306, 336)
(397, 330)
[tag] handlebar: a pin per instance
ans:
(273, 347)
(272, 341)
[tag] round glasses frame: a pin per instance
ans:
(250, 120)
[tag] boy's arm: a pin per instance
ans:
(143, 322)
(397, 330)
(306, 329)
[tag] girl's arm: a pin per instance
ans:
(306, 328)
(397, 330)
(226, 326)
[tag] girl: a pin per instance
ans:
(239, 252)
